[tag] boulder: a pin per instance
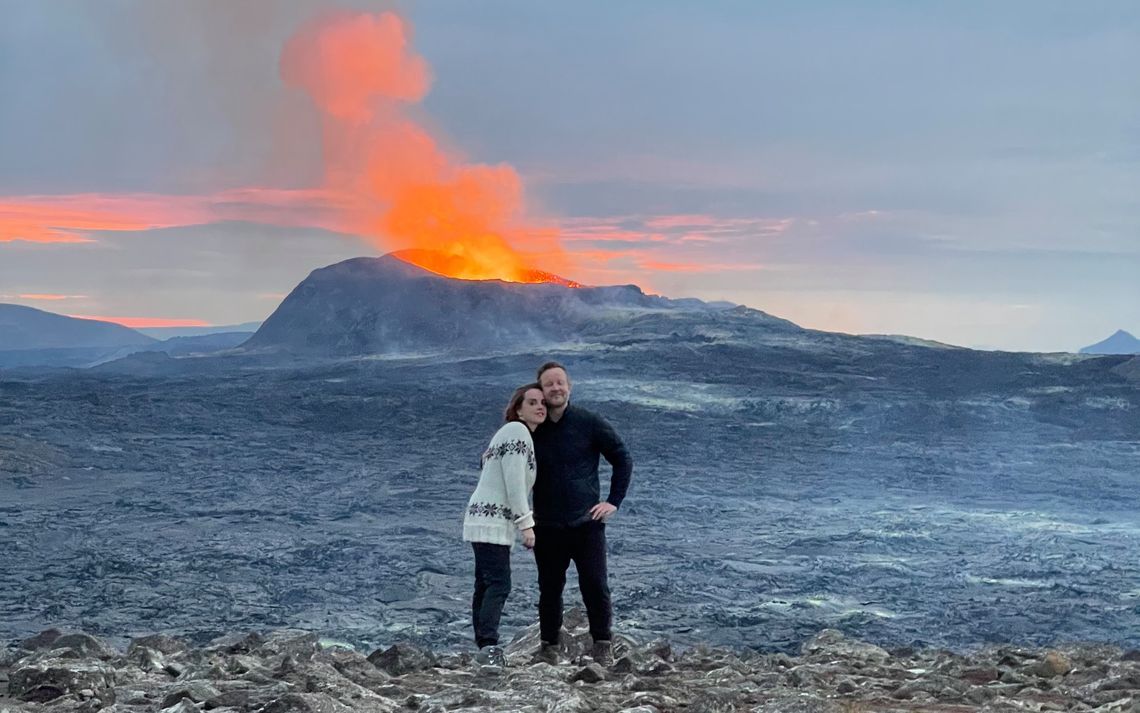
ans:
(41, 641)
(402, 658)
(195, 691)
(591, 673)
(305, 703)
(46, 679)
(1053, 664)
(301, 645)
(84, 646)
(182, 706)
(832, 644)
(660, 648)
(979, 676)
(573, 703)
(165, 645)
(355, 667)
(236, 643)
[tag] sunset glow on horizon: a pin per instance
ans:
(143, 322)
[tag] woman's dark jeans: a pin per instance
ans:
(492, 585)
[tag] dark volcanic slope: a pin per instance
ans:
(900, 493)
(29, 328)
(387, 306)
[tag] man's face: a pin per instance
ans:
(555, 388)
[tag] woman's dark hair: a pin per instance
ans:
(512, 411)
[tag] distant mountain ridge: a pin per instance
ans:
(177, 332)
(387, 306)
(1121, 342)
(26, 328)
(30, 337)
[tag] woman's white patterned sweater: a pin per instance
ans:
(500, 505)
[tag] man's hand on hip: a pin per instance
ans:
(602, 511)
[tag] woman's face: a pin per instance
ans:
(532, 410)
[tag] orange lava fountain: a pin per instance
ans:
(403, 191)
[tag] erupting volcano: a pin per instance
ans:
(399, 188)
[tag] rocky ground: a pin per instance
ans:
(292, 670)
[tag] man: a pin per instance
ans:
(570, 515)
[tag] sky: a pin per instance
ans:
(967, 172)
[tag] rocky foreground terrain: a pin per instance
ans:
(292, 670)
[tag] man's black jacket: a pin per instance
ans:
(567, 451)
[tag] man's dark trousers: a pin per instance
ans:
(554, 549)
(492, 586)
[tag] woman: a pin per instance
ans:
(498, 509)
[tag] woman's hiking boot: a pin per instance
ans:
(491, 656)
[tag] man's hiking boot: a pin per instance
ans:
(548, 653)
(491, 656)
(603, 653)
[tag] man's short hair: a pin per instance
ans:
(547, 367)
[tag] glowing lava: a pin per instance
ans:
(473, 267)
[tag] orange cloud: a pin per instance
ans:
(695, 267)
(49, 297)
(633, 248)
(578, 230)
(658, 266)
(144, 322)
(67, 219)
(710, 224)
(73, 218)
(676, 229)
(683, 220)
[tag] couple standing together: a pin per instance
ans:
(553, 447)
